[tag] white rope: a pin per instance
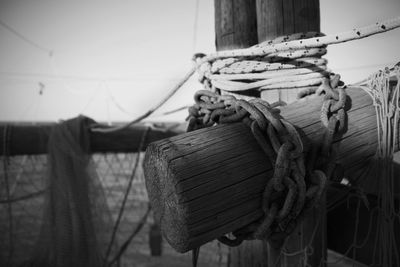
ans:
(266, 48)
(384, 88)
(254, 64)
(302, 49)
(314, 77)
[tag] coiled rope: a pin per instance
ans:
(302, 68)
(271, 65)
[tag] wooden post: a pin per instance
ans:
(277, 18)
(282, 17)
(209, 182)
(236, 27)
(235, 24)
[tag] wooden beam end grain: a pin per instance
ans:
(161, 189)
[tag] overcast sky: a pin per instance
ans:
(111, 60)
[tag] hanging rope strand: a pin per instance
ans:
(128, 188)
(6, 142)
(99, 128)
(384, 88)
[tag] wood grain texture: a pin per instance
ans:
(206, 183)
(235, 24)
(282, 17)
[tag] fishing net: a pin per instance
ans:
(384, 87)
(371, 207)
(62, 208)
(75, 226)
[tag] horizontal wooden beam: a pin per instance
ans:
(32, 139)
(209, 182)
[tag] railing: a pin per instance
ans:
(22, 202)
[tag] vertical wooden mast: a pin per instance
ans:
(235, 24)
(277, 18)
(236, 27)
(243, 23)
(282, 17)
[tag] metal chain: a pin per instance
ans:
(333, 117)
(291, 191)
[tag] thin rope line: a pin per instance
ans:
(26, 39)
(92, 97)
(262, 50)
(169, 112)
(114, 101)
(130, 238)
(24, 197)
(107, 98)
(150, 111)
(122, 208)
(355, 34)
(6, 135)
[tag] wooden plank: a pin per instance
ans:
(32, 139)
(209, 182)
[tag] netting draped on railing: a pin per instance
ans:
(22, 226)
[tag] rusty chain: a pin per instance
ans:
(333, 117)
(292, 190)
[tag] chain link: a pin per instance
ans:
(333, 117)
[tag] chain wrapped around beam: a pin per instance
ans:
(293, 189)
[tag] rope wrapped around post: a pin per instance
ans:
(288, 62)
(297, 56)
